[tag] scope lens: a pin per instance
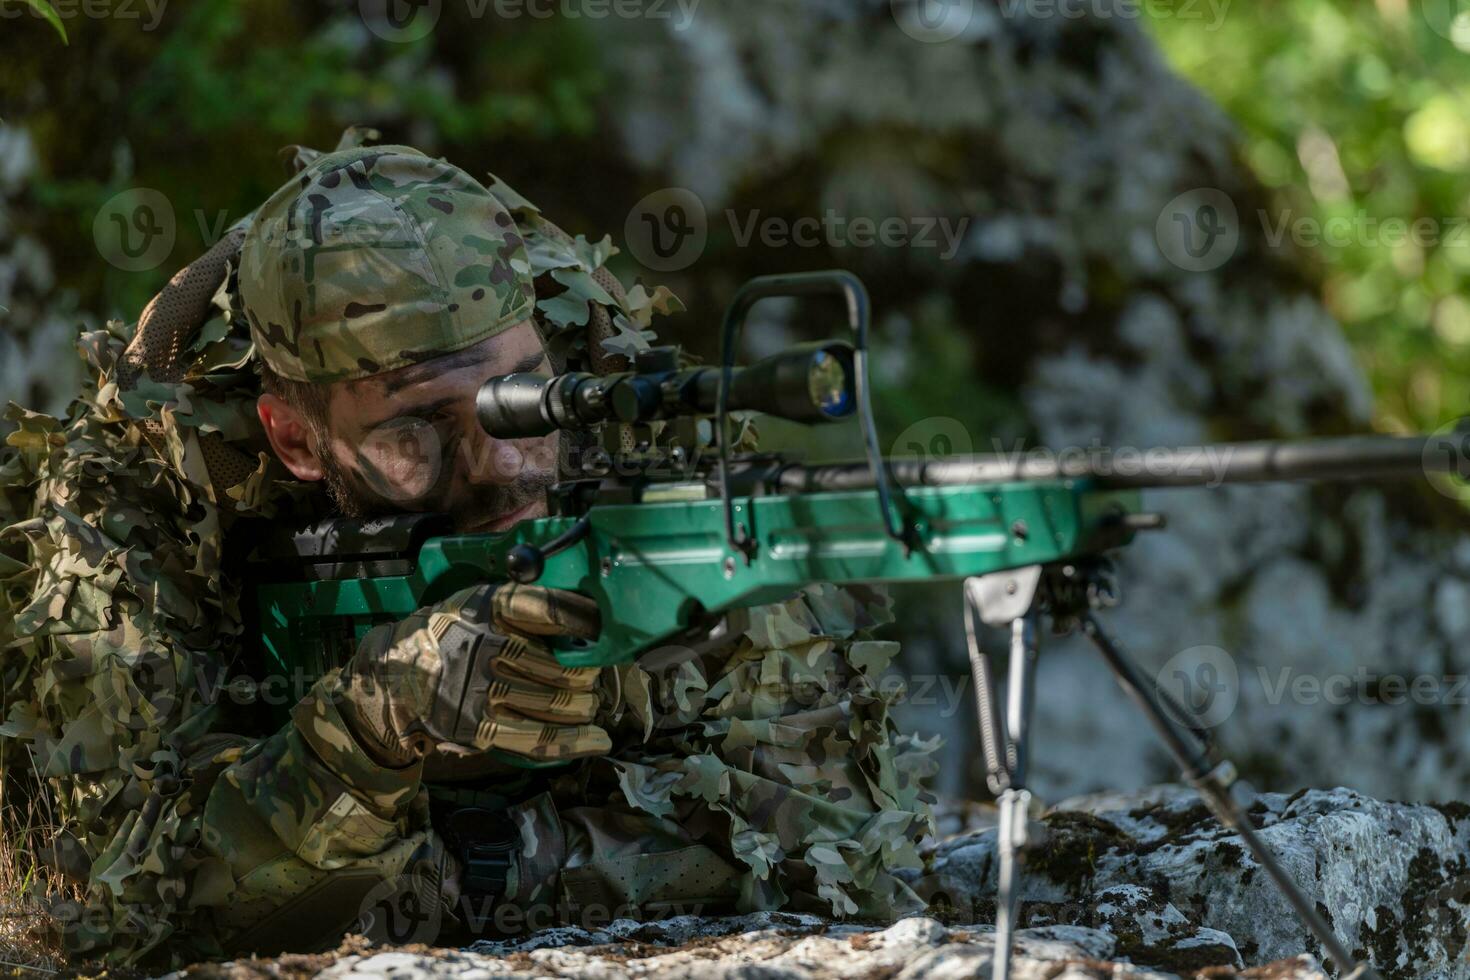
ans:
(829, 384)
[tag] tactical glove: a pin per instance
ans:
(468, 675)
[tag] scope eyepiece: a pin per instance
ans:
(514, 406)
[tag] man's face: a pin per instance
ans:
(407, 441)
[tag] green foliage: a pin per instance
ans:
(1357, 111)
(1357, 116)
(199, 107)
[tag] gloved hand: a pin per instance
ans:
(468, 675)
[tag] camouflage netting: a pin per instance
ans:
(1058, 318)
(118, 625)
(121, 620)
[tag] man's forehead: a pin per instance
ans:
(509, 352)
(405, 379)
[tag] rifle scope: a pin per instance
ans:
(808, 383)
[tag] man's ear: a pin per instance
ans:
(291, 437)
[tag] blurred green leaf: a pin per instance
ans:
(1356, 116)
(44, 8)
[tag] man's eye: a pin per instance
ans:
(403, 426)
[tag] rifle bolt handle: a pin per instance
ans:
(525, 563)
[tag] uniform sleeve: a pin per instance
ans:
(306, 814)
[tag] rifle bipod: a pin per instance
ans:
(1069, 594)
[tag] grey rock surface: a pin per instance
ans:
(1143, 885)
(1173, 886)
(776, 946)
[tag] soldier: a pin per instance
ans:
(372, 294)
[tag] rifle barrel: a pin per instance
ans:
(1346, 458)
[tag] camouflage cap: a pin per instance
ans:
(377, 257)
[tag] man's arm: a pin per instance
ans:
(308, 825)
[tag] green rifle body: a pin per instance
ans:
(657, 569)
(658, 566)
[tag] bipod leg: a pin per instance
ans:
(1005, 597)
(1212, 779)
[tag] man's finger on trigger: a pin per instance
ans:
(538, 611)
(554, 705)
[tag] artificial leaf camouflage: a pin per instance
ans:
(117, 636)
(563, 269)
(378, 257)
(759, 772)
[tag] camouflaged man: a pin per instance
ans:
(369, 297)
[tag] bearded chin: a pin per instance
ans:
(349, 500)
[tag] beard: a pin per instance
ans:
(353, 497)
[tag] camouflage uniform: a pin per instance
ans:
(758, 773)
